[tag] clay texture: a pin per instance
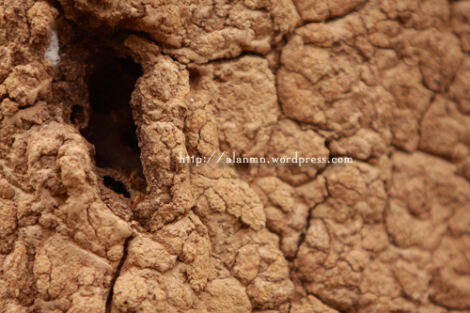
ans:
(105, 224)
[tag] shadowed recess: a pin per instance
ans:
(111, 128)
(116, 186)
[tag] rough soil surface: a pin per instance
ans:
(98, 99)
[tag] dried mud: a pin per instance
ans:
(100, 98)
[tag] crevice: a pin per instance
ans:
(95, 80)
(303, 235)
(117, 273)
(111, 129)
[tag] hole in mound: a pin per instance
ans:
(194, 77)
(116, 186)
(111, 127)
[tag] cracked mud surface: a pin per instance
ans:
(98, 215)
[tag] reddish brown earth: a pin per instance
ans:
(97, 214)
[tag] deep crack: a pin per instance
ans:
(117, 273)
